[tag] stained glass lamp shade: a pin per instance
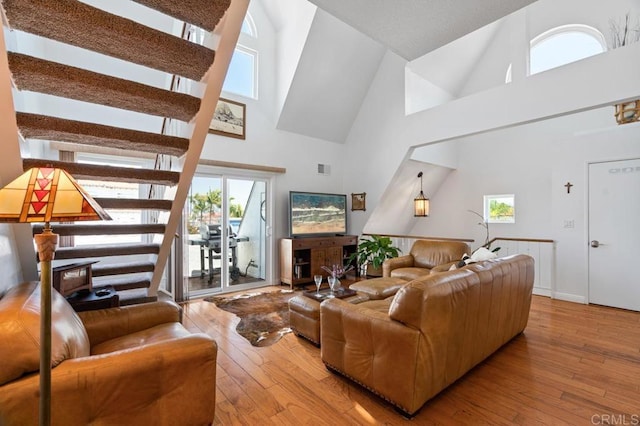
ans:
(47, 194)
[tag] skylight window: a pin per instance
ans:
(563, 45)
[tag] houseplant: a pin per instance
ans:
(372, 251)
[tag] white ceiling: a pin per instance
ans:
(325, 95)
(412, 28)
(448, 67)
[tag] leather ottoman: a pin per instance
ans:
(304, 315)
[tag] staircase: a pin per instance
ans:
(135, 270)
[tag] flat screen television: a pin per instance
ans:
(317, 214)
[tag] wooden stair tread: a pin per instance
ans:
(109, 173)
(102, 228)
(99, 270)
(35, 126)
(124, 283)
(135, 296)
(63, 253)
(134, 203)
(82, 25)
(202, 13)
(42, 76)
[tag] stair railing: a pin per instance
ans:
(228, 31)
(405, 242)
(162, 161)
(543, 252)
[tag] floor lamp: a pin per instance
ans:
(46, 194)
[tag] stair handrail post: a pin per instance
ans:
(231, 25)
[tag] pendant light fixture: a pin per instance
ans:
(421, 203)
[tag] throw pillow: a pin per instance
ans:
(482, 254)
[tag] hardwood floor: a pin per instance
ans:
(574, 364)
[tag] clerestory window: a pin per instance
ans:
(242, 76)
(563, 45)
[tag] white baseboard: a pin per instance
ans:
(569, 297)
(542, 291)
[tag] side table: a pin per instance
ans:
(98, 298)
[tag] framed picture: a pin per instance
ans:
(358, 201)
(229, 119)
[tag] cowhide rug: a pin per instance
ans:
(264, 317)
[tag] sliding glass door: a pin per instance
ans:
(225, 246)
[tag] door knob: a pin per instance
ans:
(595, 243)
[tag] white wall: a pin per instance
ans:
(571, 157)
(9, 262)
(532, 160)
(323, 99)
(17, 254)
(376, 144)
(264, 144)
(294, 19)
(511, 43)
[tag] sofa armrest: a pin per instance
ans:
(172, 380)
(107, 324)
(363, 344)
(389, 265)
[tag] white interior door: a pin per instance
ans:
(614, 233)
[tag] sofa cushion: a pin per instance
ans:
(378, 305)
(378, 288)
(20, 331)
(410, 274)
(431, 253)
(410, 302)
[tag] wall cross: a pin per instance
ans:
(568, 186)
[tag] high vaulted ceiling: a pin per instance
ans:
(413, 28)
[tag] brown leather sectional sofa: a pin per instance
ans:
(408, 347)
(132, 365)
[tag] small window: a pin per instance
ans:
(500, 208)
(563, 45)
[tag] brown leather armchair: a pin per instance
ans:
(425, 255)
(128, 366)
